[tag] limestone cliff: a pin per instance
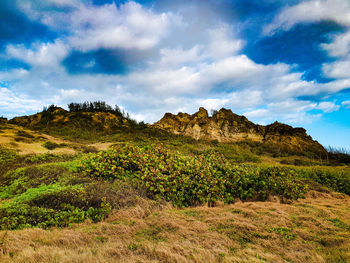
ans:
(225, 126)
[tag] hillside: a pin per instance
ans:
(100, 119)
(90, 185)
(237, 135)
(225, 126)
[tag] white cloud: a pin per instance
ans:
(340, 46)
(178, 56)
(346, 104)
(311, 11)
(40, 54)
(13, 74)
(10, 102)
(90, 27)
(129, 27)
(223, 43)
(338, 69)
(258, 113)
(290, 111)
(190, 65)
(327, 106)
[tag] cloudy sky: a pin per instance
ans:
(284, 60)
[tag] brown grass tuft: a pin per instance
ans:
(311, 230)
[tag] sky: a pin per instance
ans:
(270, 60)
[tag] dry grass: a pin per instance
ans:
(10, 137)
(316, 229)
(101, 146)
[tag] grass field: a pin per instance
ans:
(62, 201)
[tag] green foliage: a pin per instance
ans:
(187, 180)
(338, 223)
(50, 145)
(20, 180)
(53, 194)
(286, 233)
(334, 178)
(7, 155)
(96, 106)
(51, 205)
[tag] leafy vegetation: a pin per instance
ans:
(96, 106)
(191, 180)
(128, 185)
(50, 145)
(51, 205)
(336, 179)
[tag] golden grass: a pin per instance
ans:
(315, 229)
(9, 139)
(101, 146)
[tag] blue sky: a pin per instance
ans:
(266, 59)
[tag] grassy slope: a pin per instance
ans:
(315, 229)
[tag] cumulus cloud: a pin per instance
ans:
(11, 102)
(130, 27)
(222, 42)
(338, 69)
(291, 111)
(327, 106)
(310, 11)
(40, 54)
(339, 47)
(90, 27)
(346, 104)
(188, 65)
(178, 56)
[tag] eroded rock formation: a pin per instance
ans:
(226, 126)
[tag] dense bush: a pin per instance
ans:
(7, 155)
(190, 180)
(334, 178)
(19, 180)
(51, 205)
(50, 145)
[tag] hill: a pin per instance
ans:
(225, 126)
(239, 138)
(92, 185)
(95, 119)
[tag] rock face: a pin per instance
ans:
(225, 126)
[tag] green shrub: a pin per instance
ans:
(20, 180)
(50, 145)
(190, 179)
(52, 205)
(334, 178)
(7, 155)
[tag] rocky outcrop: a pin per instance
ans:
(225, 126)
